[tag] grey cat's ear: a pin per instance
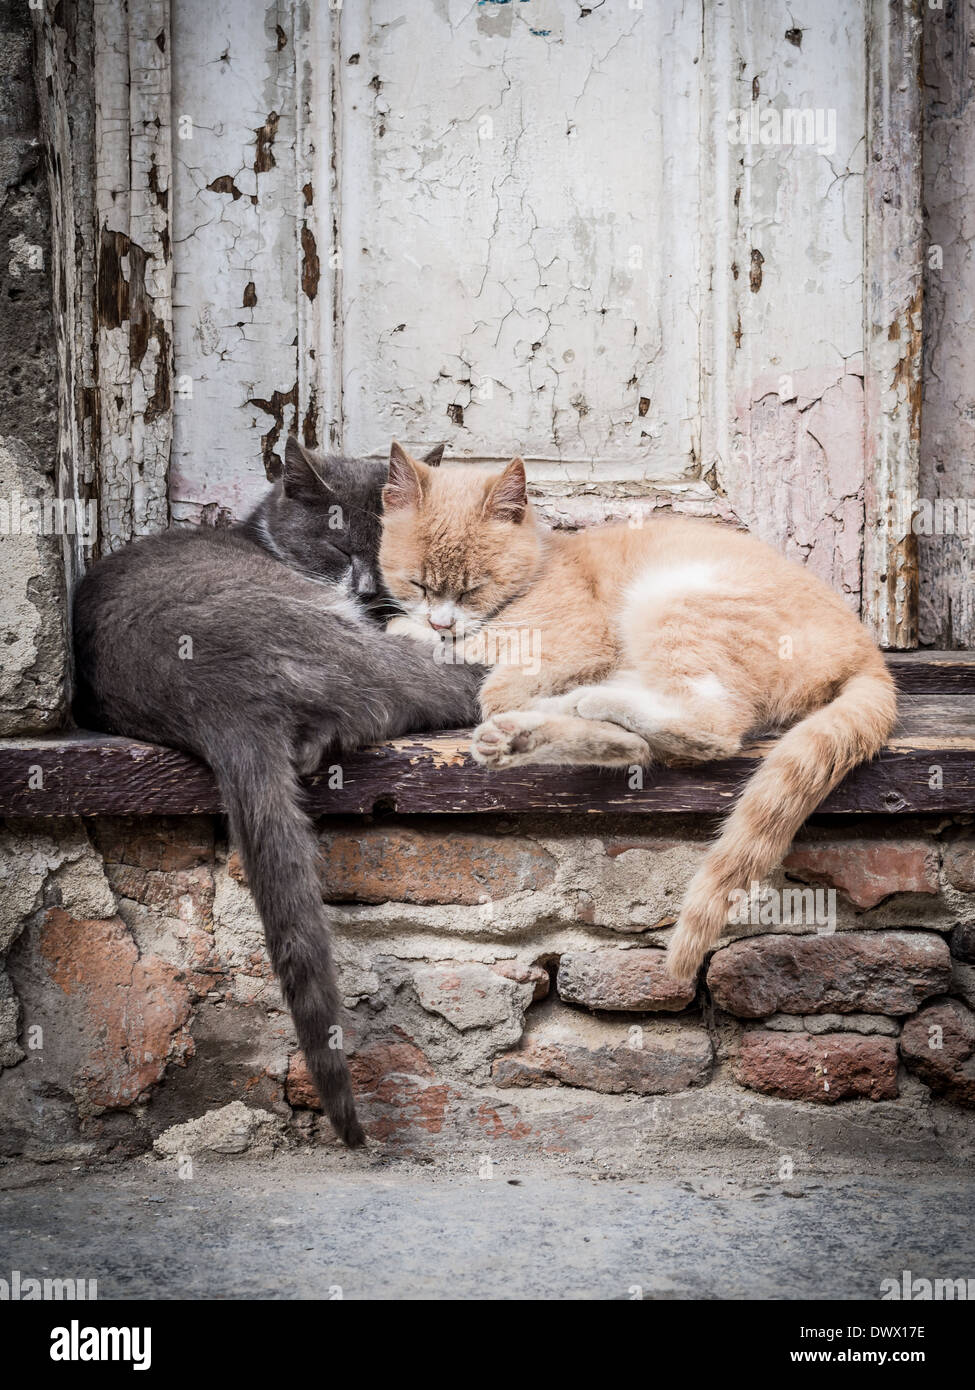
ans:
(507, 497)
(404, 485)
(301, 477)
(434, 457)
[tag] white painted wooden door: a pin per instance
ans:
(664, 250)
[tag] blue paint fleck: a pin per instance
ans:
(542, 33)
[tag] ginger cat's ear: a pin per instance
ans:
(507, 497)
(404, 485)
(434, 457)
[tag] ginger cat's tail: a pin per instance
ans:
(805, 765)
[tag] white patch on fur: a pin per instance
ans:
(658, 584)
(345, 606)
(417, 629)
(444, 613)
(627, 703)
(708, 687)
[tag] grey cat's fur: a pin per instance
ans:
(284, 667)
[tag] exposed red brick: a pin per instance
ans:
(132, 1012)
(369, 1068)
(493, 1127)
(183, 893)
(401, 1104)
(299, 1089)
(867, 871)
(378, 865)
(397, 1091)
(532, 975)
(938, 1045)
(162, 844)
(873, 972)
(371, 1065)
(612, 979)
(825, 1067)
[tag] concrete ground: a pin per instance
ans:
(300, 1225)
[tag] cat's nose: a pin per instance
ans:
(441, 627)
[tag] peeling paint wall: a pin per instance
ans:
(947, 559)
(531, 227)
(520, 235)
(102, 72)
(235, 313)
(556, 247)
(134, 266)
(524, 228)
(783, 232)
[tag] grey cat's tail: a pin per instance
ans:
(278, 846)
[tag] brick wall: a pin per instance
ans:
(505, 989)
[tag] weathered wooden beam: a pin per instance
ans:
(933, 673)
(929, 766)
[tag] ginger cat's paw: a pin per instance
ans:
(537, 736)
(505, 740)
(404, 626)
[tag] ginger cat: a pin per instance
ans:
(666, 643)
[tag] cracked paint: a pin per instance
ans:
(802, 470)
(236, 245)
(275, 407)
(310, 264)
(264, 155)
(783, 410)
(626, 318)
(534, 270)
(947, 562)
(132, 388)
(225, 184)
(892, 345)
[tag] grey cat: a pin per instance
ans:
(254, 648)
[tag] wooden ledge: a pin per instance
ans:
(929, 766)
